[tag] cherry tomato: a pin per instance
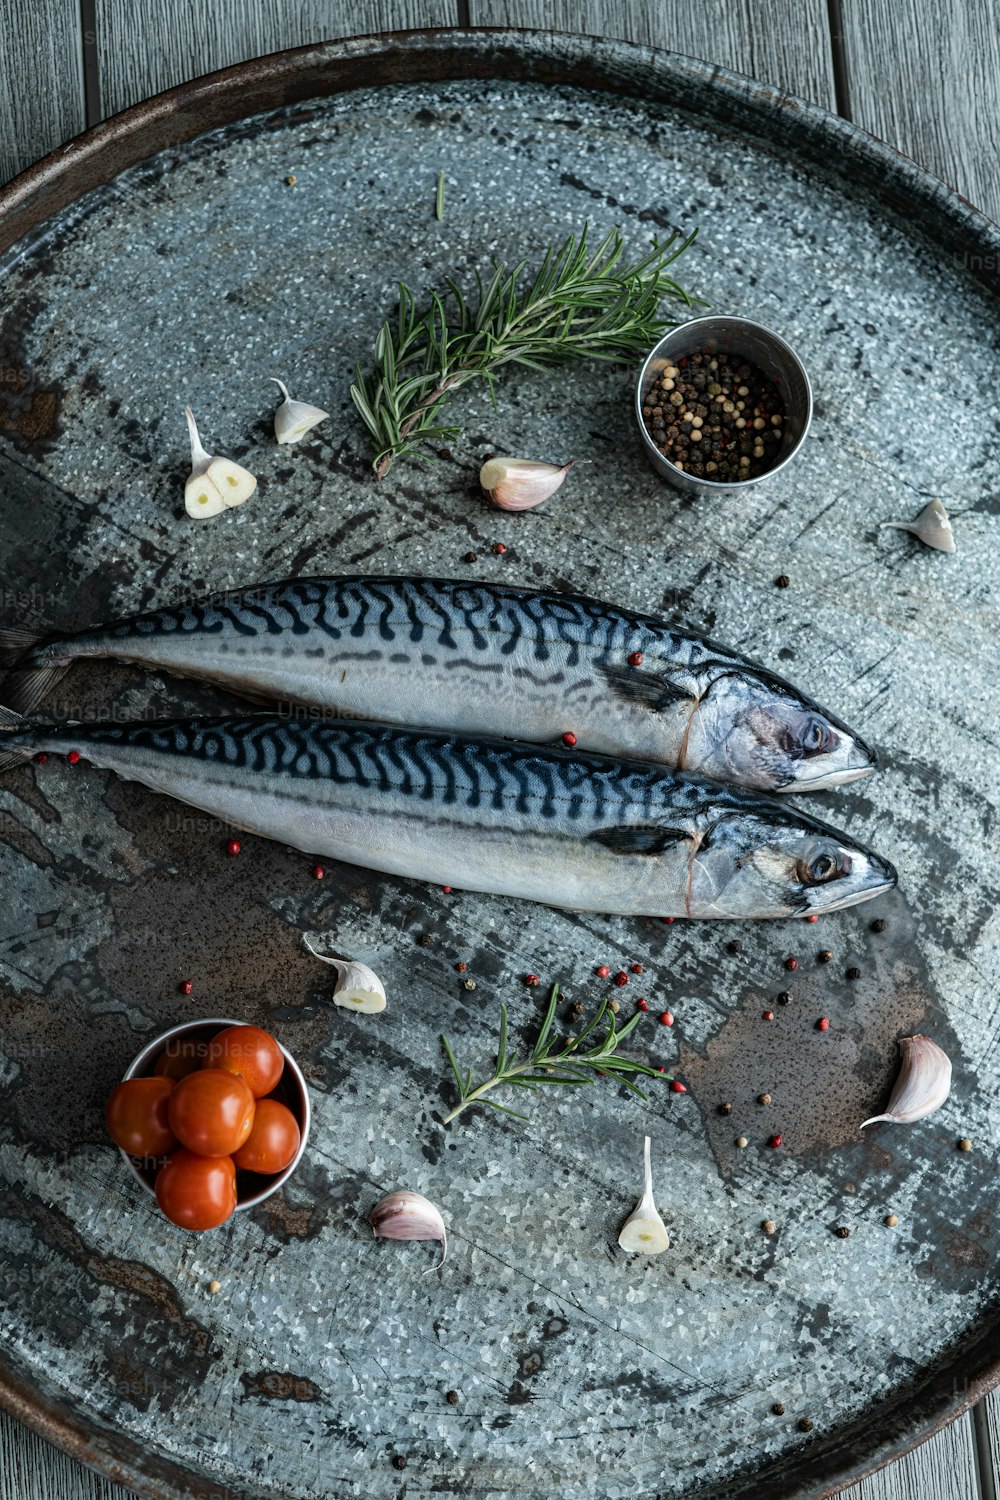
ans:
(250, 1053)
(273, 1141)
(196, 1192)
(137, 1116)
(181, 1056)
(211, 1112)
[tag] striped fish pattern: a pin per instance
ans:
(556, 826)
(481, 659)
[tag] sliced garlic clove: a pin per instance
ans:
(357, 988)
(215, 484)
(409, 1216)
(932, 527)
(923, 1083)
(644, 1232)
(521, 483)
(293, 419)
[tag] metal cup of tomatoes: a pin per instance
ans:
(211, 1117)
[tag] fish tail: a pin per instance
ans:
(11, 723)
(33, 680)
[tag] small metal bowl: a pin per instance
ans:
(742, 339)
(251, 1187)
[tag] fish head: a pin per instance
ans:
(755, 730)
(767, 862)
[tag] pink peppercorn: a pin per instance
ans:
(636, 968)
(791, 963)
(233, 847)
(186, 987)
(446, 889)
(635, 660)
(677, 1087)
(768, 1015)
(318, 872)
(41, 758)
(73, 757)
(666, 1019)
(569, 738)
(603, 972)
(499, 548)
(621, 978)
(823, 1024)
(669, 921)
(812, 917)
(775, 1141)
(642, 1004)
(531, 980)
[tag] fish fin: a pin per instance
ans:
(633, 685)
(10, 723)
(16, 644)
(8, 762)
(638, 838)
(24, 690)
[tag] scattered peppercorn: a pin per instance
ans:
(446, 890)
(805, 1424)
(767, 1015)
(636, 968)
(666, 1019)
(642, 1003)
(444, 454)
(775, 1141)
(569, 738)
(499, 548)
(965, 1144)
(668, 921)
(734, 946)
(461, 968)
(41, 758)
(725, 1109)
(621, 978)
(842, 1232)
(615, 1005)
(635, 660)
(742, 1142)
(784, 997)
(531, 980)
(425, 940)
(579, 1008)
(73, 757)
(398, 1461)
(782, 581)
(603, 971)
(778, 1409)
(469, 984)
(852, 974)
(291, 180)
(824, 956)
(890, 1221)
(186, 987)
(813, 917)
(768, 1226)
(470, 557)
(676, 1087)
(318, 872)
(452, 1398)
(791, 964)
(879, 924)
(763, 1098)
(233, 848)
(823, 1024)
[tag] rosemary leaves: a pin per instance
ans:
(555, 1060)
(582, 304)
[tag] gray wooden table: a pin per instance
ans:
(923, 79)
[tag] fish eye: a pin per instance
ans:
(817, 738)
(823, 867)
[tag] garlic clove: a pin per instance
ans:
(215, 484)
(357, 988)
(409, 1216)
(293, 419)
(521, 483)
(923, 1083)
(644, 1232)
(932, 527)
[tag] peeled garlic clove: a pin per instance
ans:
(923, 1084)
(409, 1216)
(215, 484)
(521, 483)
(644, 1232)
(357, 988)
(932, 527)
(293, 419)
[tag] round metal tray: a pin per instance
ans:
(163, 258)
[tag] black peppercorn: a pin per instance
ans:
(782, 581)
(784, 998)
(425, 940)
(470, 557)
(725, 1109)
(879, 925)
(824, 956)
(778, 1409)
(853, 974)
(805, 1424)
(398, 1461)
(734, 945)
(452, 1398)
(842, 1232)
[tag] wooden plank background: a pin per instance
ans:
(925, 79)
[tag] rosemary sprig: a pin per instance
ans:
(582, 304)
(550, 1062)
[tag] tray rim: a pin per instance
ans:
(322, 70)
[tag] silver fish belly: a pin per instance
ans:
(481, 659)
(553, 826)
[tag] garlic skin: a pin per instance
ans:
(358, 988)
(293, 419)
(521, 483)
(922, 1086)
(409, 1216)
(215, 484)
(932, 527)
(644, 1232)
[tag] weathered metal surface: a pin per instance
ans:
(325, 1356)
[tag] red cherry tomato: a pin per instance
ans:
(250, 1053)
(137, 1116)
(197, 1192)
(181, 1056)
(211, 1112)
(273, 1141)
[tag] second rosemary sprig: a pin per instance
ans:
(554, 1060)
(583, 303)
